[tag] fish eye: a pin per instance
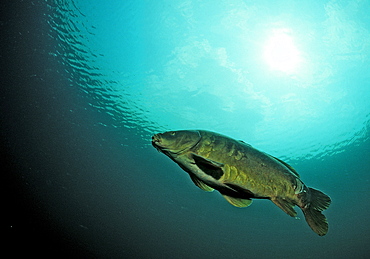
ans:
(172, 133)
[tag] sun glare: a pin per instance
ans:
(281, 53)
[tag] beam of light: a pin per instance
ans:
(280, 52)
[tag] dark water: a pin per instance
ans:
(85, 84)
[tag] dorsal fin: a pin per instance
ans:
(287, 165)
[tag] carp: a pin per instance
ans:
(242, 173)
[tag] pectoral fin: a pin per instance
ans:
(208, 166)
(237, 202)
(200, 184)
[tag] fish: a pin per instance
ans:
(241, 173)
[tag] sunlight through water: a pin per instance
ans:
(295, 89)
(281, 53)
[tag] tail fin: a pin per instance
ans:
(316, 220)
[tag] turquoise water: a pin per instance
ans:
(287, 77)
(92, 81)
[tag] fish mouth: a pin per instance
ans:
(158, 144)
(156, 140)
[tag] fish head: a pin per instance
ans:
(174, 143)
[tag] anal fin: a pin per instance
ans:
(285, 205)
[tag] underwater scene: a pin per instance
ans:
(260, 111)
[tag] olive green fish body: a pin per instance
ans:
(240, 172)
(247, 167)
